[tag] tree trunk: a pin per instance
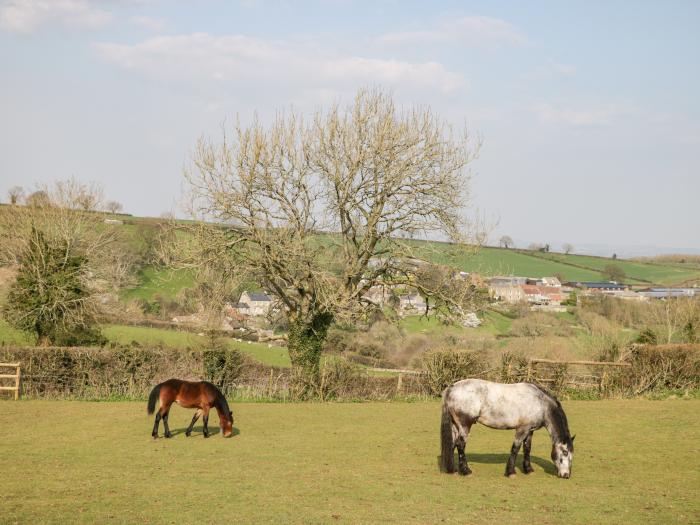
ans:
(306, 338)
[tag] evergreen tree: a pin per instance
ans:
(49, 297)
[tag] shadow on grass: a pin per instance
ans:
(213, 430)
(545, 465)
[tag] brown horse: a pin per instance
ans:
(201, 395)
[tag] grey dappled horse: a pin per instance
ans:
(524, 407)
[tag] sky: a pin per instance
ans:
(588, 111)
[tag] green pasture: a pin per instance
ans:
(163, 281)
(144, 335)
(636, 461)
(635, 271)
(13, 337)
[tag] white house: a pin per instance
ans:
(254, 303)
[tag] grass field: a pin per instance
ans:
(635, 462)
(163, 281)
(144, 335)
(641, 272)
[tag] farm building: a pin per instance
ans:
(508, 293)
(665, 293)
(254, 303)
(599, 286)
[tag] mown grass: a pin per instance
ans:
(636, 462)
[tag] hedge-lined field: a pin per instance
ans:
(635, 462)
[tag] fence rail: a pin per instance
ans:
(15, 376)
(558, 374)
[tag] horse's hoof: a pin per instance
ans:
(168, 436)
(511, 476)
(465, 471)
(528, 470)
(187, 434)
(206, 436)
(154, 436)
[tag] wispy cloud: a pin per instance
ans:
(205, 60)
(469, 30)
(153, 24)
(26, 16)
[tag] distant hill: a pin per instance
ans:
(487, 261)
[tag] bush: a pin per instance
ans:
(222, 365)
(120, 371)
(539, 324)
(442, 368)
(665, 367)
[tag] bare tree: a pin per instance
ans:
(38, 199)
(15, 194)
(672, 315)
(370, 175)
(113, 207)
(568, 248)
(88, 197)
(506, 242)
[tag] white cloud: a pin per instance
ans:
(592, 116)
(26, 16)
(239, 61)
(153, 24)
(470, 30)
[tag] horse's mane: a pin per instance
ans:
(221, 400)
(557, 413)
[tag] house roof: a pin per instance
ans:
(257, 296)
(603, 285)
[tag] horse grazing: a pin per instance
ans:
(524, 407)
(201, 395)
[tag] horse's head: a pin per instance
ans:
(226, 421)
(563, 457)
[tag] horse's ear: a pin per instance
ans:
(574, 437)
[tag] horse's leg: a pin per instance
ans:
(165, 421)
(461, 442)
(197, 413)
(520, 435)
(527, 445)
(205, 420)
(155, 425)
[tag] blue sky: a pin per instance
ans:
(588, 111)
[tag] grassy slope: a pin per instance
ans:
(344, 463)
(162, 281)
(11, 336)
(654, 273)
(275, 356)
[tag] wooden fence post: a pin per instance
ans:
(14, 376)
(399, 384)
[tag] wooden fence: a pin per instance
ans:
(576, 374)
(15, 376)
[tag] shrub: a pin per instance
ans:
(539, 324)
(442, 368)
(222, 365)
(665, 367)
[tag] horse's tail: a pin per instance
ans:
(153, 398)
(447, 444)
